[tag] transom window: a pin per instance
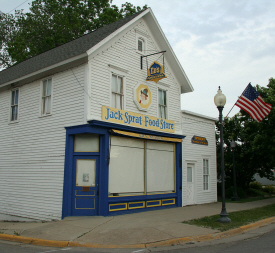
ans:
(162, 104)
(205, 174)
(117, 92)
(47, 97)
(14, 104)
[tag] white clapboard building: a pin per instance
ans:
(94, 127)
(199, 181)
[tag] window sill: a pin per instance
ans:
(46, 115)
(13, 122)
(141, 53)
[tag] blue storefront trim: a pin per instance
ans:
(122, 204)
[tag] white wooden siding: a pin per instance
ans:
(122, 54)
(32, 150)
(195, 153)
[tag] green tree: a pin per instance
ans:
(7, 26)
(51, 23)
(255, 151)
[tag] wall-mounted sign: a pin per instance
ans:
(142, 97)
(137, 120)
(155, 72)
(199, 140)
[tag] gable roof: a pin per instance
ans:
(61, 53)
(76, 50)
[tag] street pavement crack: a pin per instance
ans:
(165, 233)
(95, 228)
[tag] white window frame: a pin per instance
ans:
(16, 105)
(140, 36)
(121, 75)
(46, 97)
(206, 176)
(143, 45)
(163, 105)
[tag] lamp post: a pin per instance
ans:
(233, 145)
(220, 101)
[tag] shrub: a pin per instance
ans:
(256, 185)
(251, 192)
(270, 189)
(229, 192)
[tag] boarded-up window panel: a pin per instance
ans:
(85, 172)
(160, 167)
(126, 168)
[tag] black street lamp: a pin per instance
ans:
(235, 197)
(220, 101)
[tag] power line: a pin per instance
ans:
(18, 6)
(80, 84)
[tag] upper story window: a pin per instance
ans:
(205, 174)
(141, 45)
(141, 42)
(14, 105)
(117, 92)
(162, 104)
(47, 97)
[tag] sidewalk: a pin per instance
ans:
(138, 230)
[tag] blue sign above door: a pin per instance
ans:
(155, 72)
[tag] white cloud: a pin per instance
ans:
(226, 43)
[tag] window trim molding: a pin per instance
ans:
(41, 115)
(10, 105)
(115, 69)
(163, 86)
(141, 36)
(158, 113)
(121, 74)
(209, 174)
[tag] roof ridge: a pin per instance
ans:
(64, 51)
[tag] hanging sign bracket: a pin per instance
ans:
(143, 56)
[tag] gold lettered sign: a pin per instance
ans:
(137, 120)
(155, 72)
(199, 140)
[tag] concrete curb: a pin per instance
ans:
(171, 242)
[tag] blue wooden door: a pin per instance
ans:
(85, 186)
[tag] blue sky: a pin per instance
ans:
(226, 43)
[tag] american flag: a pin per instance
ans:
(251, 102)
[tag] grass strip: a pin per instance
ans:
(245, 200)
(238, 218)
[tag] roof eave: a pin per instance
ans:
(198, 115)
(58, 67)
(171, 57)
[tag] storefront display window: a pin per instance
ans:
(140, 167)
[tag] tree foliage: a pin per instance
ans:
(7, 27)
(51, 23)
(255, 151)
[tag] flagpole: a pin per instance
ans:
(230, 110)
(235, 104)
